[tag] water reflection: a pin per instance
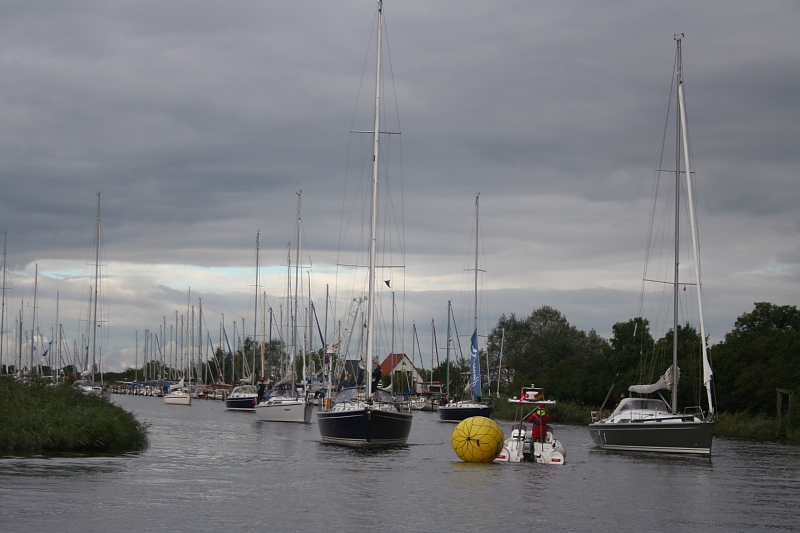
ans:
(66, 465)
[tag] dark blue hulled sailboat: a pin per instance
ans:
(461, 410)
(367, 415)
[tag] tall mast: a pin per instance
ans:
(308, 334)
(255, 313)
(376, 132)
(263, 330)
(96, 282)
(19, 341)
(199, 336)
(295, 315)
(57, 355)
(3, 304)
(475, 322)
(33, 319)
(475, 362)
(676, 262)
(689, 171)
(433, 346)
(448, 346)
(190, 355)
(288, 323)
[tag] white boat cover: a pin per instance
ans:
(664, 382)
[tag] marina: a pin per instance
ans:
(208, 468)
(155, 382)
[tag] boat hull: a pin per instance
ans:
(364, 427)
(683, 437)
(241, 403)
(522, 448)
(298, 411)
(178, 399)
(456, 412)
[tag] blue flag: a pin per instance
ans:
(474, 366)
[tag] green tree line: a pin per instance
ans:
(760, 354)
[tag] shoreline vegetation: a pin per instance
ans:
(745, 426)
(38, 417)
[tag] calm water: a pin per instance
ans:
(212, 470)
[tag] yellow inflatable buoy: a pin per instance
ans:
(478, 440)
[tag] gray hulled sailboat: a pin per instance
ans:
(644, 423)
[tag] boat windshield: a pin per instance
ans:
(642, 403)
(350, 394)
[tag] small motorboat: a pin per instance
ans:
(535, 446)
(242, 398)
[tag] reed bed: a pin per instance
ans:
(753, 427)
(37, 417)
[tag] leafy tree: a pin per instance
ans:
(535, 346)
(690, 389)
(759, 355)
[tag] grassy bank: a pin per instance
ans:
(753, 427)
(40, 418)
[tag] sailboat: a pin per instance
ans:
(366, 415)
(181, 393)
(643, 423)
(87, 383)
(178, 394)
(283, 403)
(243, 397)
(463, 409)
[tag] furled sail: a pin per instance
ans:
(180, 385)
(664, 382)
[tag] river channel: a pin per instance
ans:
(208, 469)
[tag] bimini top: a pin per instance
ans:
(357, 393)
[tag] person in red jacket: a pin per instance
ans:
(540, 419)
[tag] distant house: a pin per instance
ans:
(403, 370)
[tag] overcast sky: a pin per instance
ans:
(200, 120)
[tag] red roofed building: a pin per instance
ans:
(399, 363)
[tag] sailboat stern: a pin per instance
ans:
(364, 427)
